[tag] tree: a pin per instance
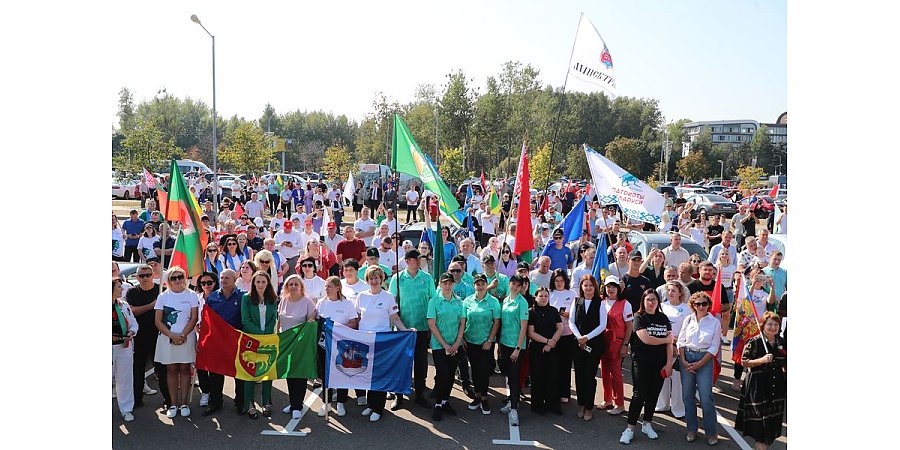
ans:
(451, 167)
(457, 111)
(248, 151)
(126, 112)
(762, 149)
(146, 146)
(337, 162)
(631, 155)
(749, 177)
(539, 165)
(693, 167)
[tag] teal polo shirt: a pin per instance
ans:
(512, 312)
(502, 289)
(415, 293)
(480, 317)
(446, 315)
(361, 273)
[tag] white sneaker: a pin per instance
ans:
(323, 410)
(514, 417)
(627, 436)
(374, 417)
(172, 412)
(185, 411)
(506, 408)
(287, 409)
(148, 390)
(367, 411)
(361, 401)
(647, 428)
(616, 411)
(340, 410)
(296, 414)
(204, 399)
(128, 417)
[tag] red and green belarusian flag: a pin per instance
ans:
(226, 351)
(524, 239)
(183, 207)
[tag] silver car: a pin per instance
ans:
(713, 204)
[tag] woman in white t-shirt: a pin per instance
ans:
(377, 312)
(176, 315)
(351, 285)
(412, 202)
(561, 297)
(676, 309)
(118, 240)
(145, 243)
(314, 285)
(335, 306)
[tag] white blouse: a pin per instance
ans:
(703, 335)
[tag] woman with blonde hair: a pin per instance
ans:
(176, 346)
(265, 262)
(293, 309)
(335, 306)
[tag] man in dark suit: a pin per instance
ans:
(375, 195)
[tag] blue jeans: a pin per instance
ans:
(701, 381)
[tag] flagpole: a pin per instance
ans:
(560, 109)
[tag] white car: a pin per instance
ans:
(124, 189)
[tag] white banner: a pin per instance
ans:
(591, 60)
(615, 185)
(350, 189)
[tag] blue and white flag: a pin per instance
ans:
(614, 185)
(573, 224)
(601, 261)
(374, 361)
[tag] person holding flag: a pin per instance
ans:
(698, 344)
(761, 408)
(749, 307)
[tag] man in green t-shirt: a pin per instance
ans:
(413, 289)
(372, 256)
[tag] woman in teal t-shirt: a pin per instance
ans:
(513, 325)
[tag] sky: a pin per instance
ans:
(702, 59)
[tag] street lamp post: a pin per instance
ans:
(722, 171)
(196, 20)
(779, 164)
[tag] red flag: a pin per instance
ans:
(483, 184)
(238, 209)
(773, 192)
(544, 206)
(524, 239)
(716, 307)
(163, 199)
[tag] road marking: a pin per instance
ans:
(733, 433)
(515, 438)
(289, 428)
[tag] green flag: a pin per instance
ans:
(494, 201)
(406, 157)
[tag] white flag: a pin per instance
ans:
(616, 186)
(323, 230)
(591, 60)
(349, 188)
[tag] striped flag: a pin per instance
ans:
(181, 206)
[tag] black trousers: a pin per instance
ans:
(462, 366)
(273, 205)
(511, 369)
(544, 378)
(330, 394)
(586, 365)
(215, 384)
(376, 401)
(296, 392)
(565, 350)
(132, 254)
(203, 379)
(410, 211)
(420, 361)
(144, 348)
(482, 365)
(444, 367)
(648, 381)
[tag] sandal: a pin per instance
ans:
(253, 413)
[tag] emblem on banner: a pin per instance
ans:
(351, 358)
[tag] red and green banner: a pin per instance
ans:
(256, 357)
(524, 239)
(181, 206)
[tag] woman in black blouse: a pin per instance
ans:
(761, 408)
(544, 330)
(651, 362)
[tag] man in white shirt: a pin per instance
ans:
(675, 254)
(391, 221)
(473, 262)
(387, 256)
(727, 245)
(749, 256)
(224, 215)
(254, 207)
(541, 275)
(412, 202)
(307, 235)
(289, 245)
(619, 266)
(763, 242)
(365, 226)
(332, 239)
(604, 224)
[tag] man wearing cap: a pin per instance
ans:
(674, 253)
(498, 284)
(350, 247)
(133, 228)
(634, 283)
(413, 289)
(254, 207)
(289, 244)
(541, 275)
(473, 263)
(560, 255)
(523, 270)
(462, 289)
(545, 237)
(332, 239)
(372, 259)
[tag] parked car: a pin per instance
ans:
(129, 271)
(713, 204)
(644, 241)
(764, 205)
(463, 189)
(125, 189)
(663, 189)
(688, 191)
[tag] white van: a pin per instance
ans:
(188, 165)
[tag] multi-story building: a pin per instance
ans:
(736, 132)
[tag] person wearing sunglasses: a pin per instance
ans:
(232, 256)
(226, 302)
(207, 284)
(314, 284)
(176, 345)
(142, 300)
(507, 262)
(265, 262)
(698, 343)
(213, 260)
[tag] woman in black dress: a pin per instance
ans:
(544, 330)
(761, 409)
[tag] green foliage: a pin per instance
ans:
(693, 167)
(451, 167)
(749, 177)
(146, 145)
(337, 162)
(247, 150)
(539, 167)
(631, 155)
(762, 149)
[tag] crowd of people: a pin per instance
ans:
(483, 311)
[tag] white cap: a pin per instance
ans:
(258, 221)
(611, 279)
